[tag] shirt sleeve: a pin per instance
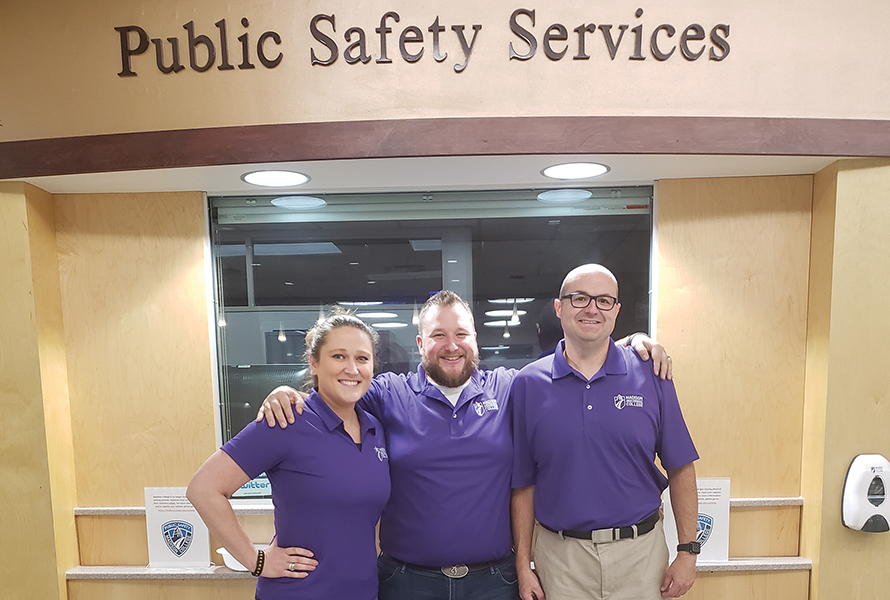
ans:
(675, 447)
(257, 448)
(373, 401)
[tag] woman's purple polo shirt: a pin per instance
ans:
(327, 495)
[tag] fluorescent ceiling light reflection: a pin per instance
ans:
(564, 196)
(299, 202)
(511, 301)
(362, 303)
(376, 315)
(391, 325)
(426, 245)
(494, 348)
(275, 178)
(503, 313)
(575, 171)
(295, 249)
(501, 324)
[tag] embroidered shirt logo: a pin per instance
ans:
(622, 400)
(481, 407)
(178, 536)
(381, 454)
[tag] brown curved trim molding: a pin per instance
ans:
(445, 137)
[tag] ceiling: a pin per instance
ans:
(431, 174)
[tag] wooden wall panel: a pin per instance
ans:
(225, 589)
(123, 541)
(764, 531)
(760, 585)
(732, 305)
(765, 585)
(53, 377)
(134, 295)
(29, 561)
(853, 413)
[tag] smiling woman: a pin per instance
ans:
(329, 474)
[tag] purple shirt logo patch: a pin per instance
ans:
(484, 406)
(381, 454)
(621, 401)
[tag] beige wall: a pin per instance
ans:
(847, 403)
(134, 293)
(732, 298)
(61, 61)
(38, 492)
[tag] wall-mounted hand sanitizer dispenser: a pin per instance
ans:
(866, 505)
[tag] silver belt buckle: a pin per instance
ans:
(602, 536)
(455, 571)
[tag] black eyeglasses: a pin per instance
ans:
(582, 300)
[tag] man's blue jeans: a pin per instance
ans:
(399, 581)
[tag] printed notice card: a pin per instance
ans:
(713, 520)
(177, 537)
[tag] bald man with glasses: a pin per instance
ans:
(588, 422)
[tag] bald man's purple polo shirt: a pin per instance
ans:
(589, 447)
(328, 495)
(450, 468)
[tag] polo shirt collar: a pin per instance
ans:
(614, 365)
(330, 418)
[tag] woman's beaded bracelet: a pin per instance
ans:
(260, 559)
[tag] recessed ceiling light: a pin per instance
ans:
(376, 315)
(390, 325)
(299, 202)
(564, 196)
(362, 303)
(501, 324)
(575, 171)
(275, 178)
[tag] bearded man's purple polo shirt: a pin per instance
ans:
(450, 468)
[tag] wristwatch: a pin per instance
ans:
(691, 548)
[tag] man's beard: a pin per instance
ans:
(451, 380)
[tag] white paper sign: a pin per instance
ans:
(177, 537)
(713, 520)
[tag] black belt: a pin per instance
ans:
(459, 570)
(610, 535)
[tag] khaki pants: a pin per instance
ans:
(572, 569)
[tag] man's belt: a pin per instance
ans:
(457, 571)
(600, 536)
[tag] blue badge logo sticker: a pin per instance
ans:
(178, 536)
(705, 527)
